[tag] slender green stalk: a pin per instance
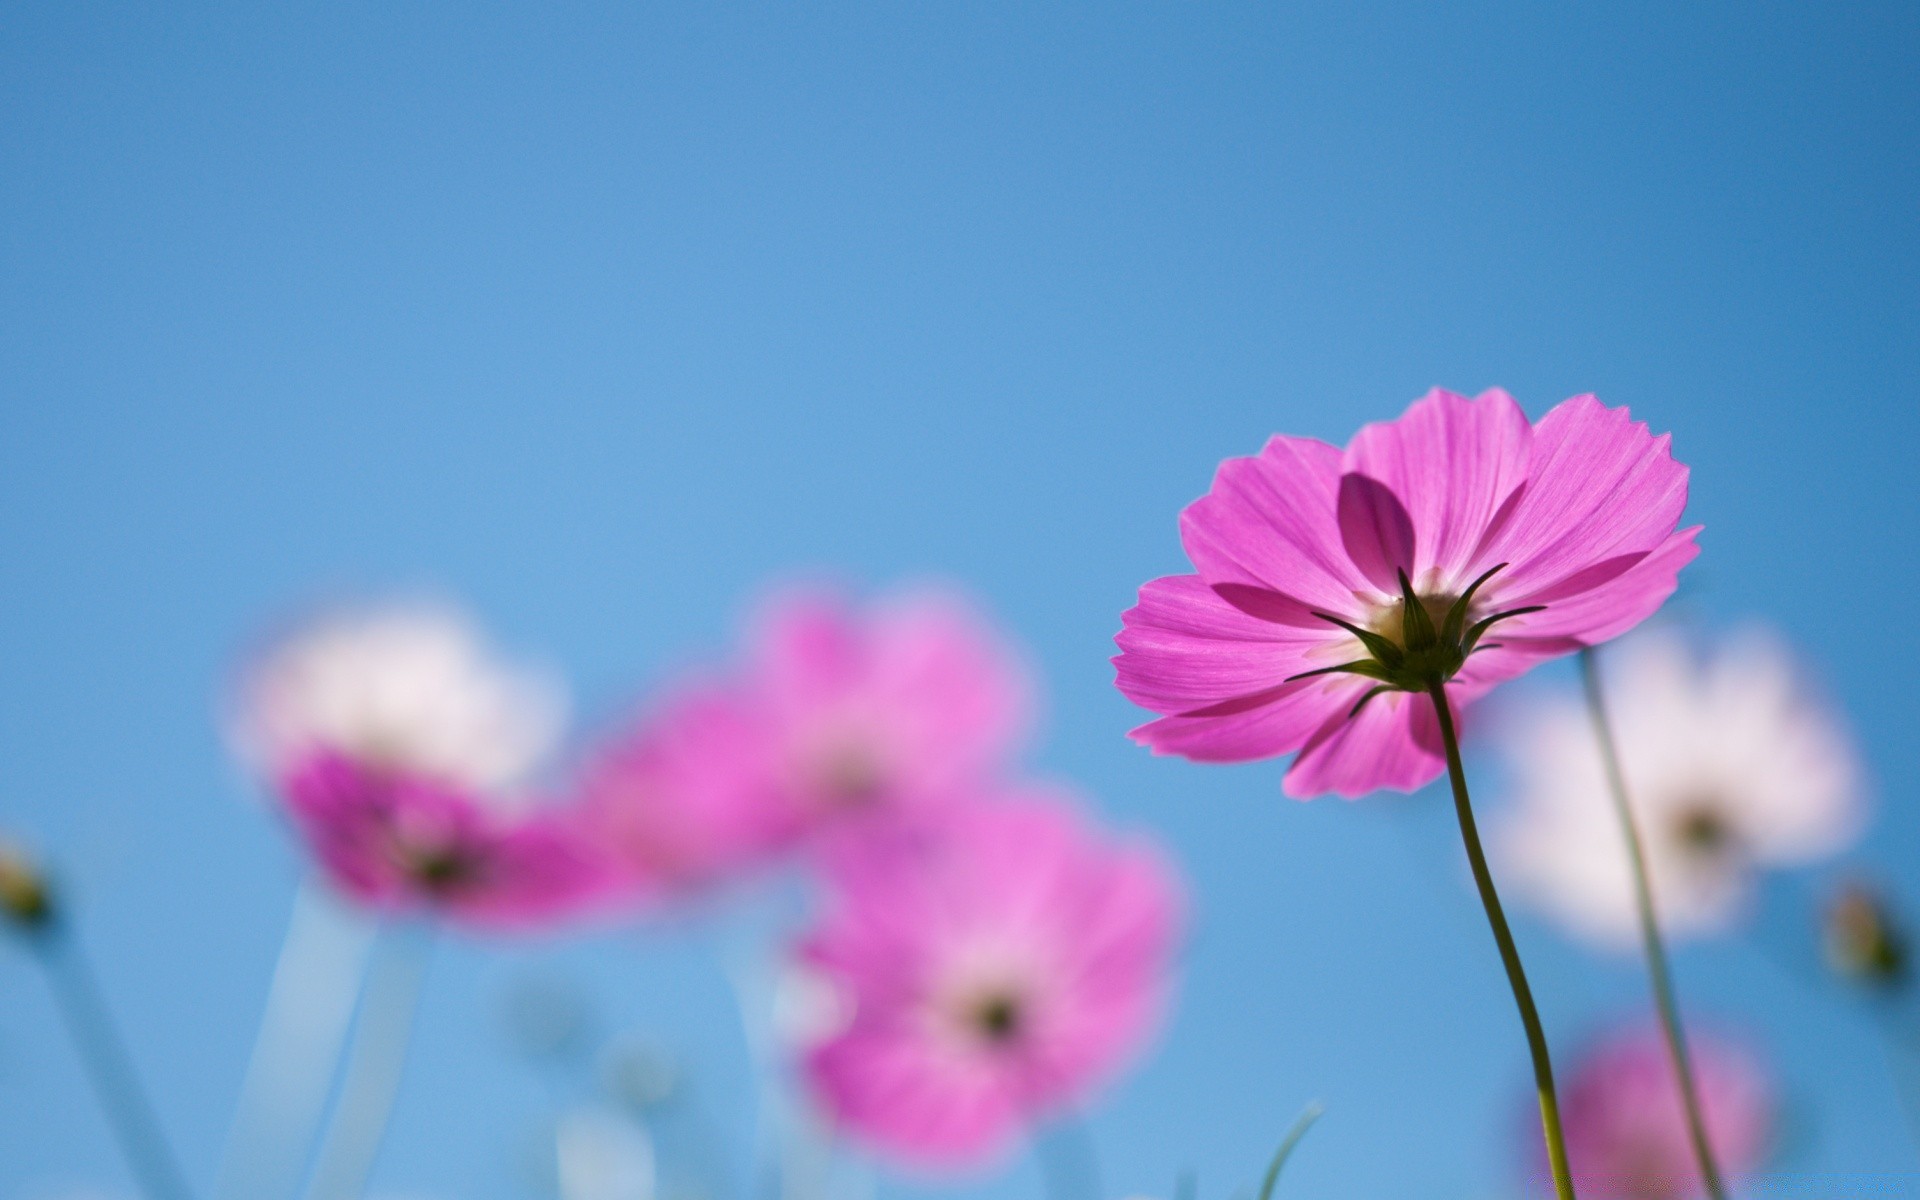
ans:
(375, 1062)
(1305, 1122)
(108, 1065)
(296, 1052)
(1658, 972)
(1509, 953)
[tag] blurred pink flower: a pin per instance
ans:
(995, 963)
(399, 842)
(683, 800)
(836, 716)
(1626, 1129)
(1574, 516)
(882, 709)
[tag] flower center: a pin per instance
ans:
(849, 774)
(997, 1017)
(1418, 643)
(1702, 828)
(435, 863)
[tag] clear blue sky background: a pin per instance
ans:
(600, 317)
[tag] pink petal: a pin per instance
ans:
(1603, 612)
(1270, 521)
(1451, 462)
(1599, 486)
(1376, 531)
(1394, 744)
(890, 1088)
(1183, 647)
(1272, 723)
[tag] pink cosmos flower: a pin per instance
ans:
(1626, 1128)
(396, 841)
(1334, 585)
(883, 709)
(995, 964)
(684, 799)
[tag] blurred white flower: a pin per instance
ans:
(412, 685)
(1732, 765)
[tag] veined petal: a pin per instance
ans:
(1452, 462)
(1271, 521)
(1604, 612)
(1280, 723)
(1376, 531)
(1183, 647)
(1599, 486)
(1391, 744)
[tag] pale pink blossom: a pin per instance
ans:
(409, 684)
(684, 798)
(881, 707)
(996, 962)
(1626, 1127)
(1733, 767)
(1567, 526)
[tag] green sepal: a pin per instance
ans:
(1456, 622)
(1378, 645)
(1371, 693)
(1360, 666)
(1416, 624)
(1481, 627)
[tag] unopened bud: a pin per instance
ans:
(1864, 942)
(23, 890)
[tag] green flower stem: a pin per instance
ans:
(1509, 953)
(375, 1061)
(108, 1064)
(1657, 970)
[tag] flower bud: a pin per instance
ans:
(1864, 943)
(23, 889)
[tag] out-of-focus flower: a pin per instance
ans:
(401, 842)
(411, 687)
(1458, 544)
(996, 964)
(24, 897)
(837, 716)
(686, 798)
(884, 708)
(1731, 767)
(1627, 1129)
(1864, 941)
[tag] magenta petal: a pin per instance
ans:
(1609, 610)
(1376, 531)
(1452, 462)
(1269, 605)
(1291, 715)
(1600, 486)
(1182, 647)
(1270, 521)
(1393, 744)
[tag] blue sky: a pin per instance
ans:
(599, 317)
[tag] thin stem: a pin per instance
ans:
(1287, 1144)
(1658, 972)
(109, 1066)
(376, 1060)
(309, 1007)
(1509, 953)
